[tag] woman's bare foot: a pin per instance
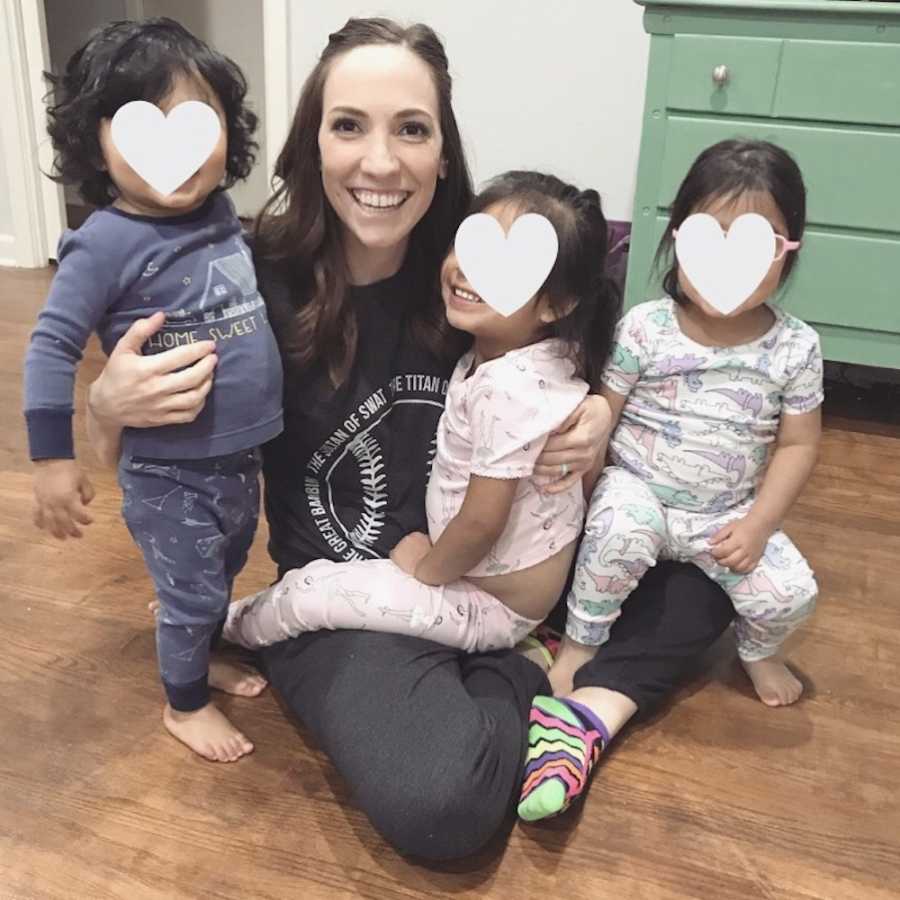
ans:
(774, 681)
(207, 732)
(236, 679)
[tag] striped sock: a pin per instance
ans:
(565, 740)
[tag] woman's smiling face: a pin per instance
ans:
(380, 145)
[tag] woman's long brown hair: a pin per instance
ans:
(299, 229)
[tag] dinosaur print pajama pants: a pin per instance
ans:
(628, 529)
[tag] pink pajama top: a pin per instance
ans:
(495, 424)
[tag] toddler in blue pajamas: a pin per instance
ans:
(190, 488)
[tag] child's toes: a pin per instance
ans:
(239, 746)
(251, 685)
(235, 679)
(775, 684)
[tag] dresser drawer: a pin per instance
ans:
(851, 175)
(752, 65)
(847, 280)
(839, 82)
(844, 280)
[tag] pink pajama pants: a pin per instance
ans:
(374, 595)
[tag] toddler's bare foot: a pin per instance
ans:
(228, 676)
(207, 732)
(561, 682)
(235, 679)
(774, 681)
(569, 659)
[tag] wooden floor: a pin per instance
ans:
(717, 798)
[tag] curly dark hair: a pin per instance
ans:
(125, 61)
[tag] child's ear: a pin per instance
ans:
(548, 315)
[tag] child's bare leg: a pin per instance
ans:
(775, 683)
(771, 601)
(208, 733)
(572, 655)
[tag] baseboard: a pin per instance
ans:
(7, 250)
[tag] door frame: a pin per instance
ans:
(277, 80)
(37, 204)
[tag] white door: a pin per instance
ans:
(31, 213)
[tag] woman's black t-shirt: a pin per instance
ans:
(346, 478)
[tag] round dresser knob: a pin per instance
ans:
(720, 75)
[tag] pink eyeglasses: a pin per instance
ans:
(782, 244)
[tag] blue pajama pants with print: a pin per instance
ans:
(194, 521)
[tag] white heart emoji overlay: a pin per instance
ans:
(165, 150)
(506, 270)
(725, 270)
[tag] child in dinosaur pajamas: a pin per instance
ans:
(718, 428)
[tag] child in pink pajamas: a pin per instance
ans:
(499, 548)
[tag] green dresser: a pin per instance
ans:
(821, 78)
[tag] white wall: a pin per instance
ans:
(555, 86)
(235, 28)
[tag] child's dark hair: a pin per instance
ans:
(579, 273)
(726, 170)
(125, 61)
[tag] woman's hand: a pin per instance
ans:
(411, 551)
(572, 449)
(143, 391)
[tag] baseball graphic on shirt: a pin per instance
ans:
(165, 150)
(506, 270)
(725, 269)
(353, 531)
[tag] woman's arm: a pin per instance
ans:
(145, 391)
(575, 443)
(740, 545)
(471, 533)
(615, 403)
